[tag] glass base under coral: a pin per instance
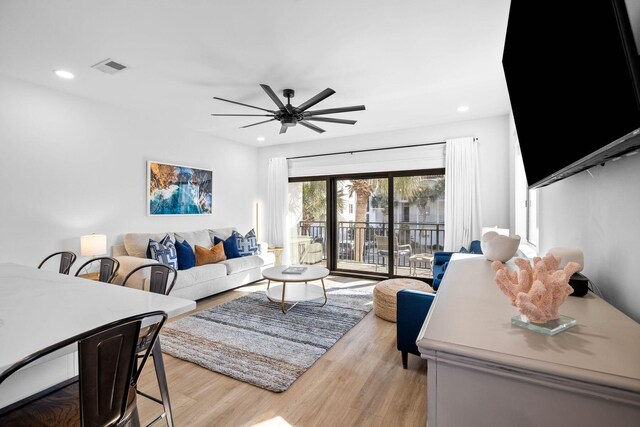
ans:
(550, 328)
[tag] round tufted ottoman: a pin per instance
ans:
(384, 295)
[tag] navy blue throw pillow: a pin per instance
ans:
(186, 257)
(463, 250)
(230, 246)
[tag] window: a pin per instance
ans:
(350, 208)
(526, 202)
(532, 217)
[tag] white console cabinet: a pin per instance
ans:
(484, 371)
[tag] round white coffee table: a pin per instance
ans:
(300, 289)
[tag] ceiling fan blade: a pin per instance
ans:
(310, 126)
(273, 96)
(244, 115)
(333, 110)
(245, 105)
(254, 124)
(313, 101)
(330, 120)
(283, 129)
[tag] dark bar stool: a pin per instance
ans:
(66, 261)
(107, 271)
(159, 284)
(104, 392)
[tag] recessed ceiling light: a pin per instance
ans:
(463, 108)
(64, 74)
(260, 138)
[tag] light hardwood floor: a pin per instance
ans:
(358, 382)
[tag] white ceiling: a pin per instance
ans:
(410, 62)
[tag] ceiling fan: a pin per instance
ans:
(289, 116)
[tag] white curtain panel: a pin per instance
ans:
(462, 194)
(277, 206)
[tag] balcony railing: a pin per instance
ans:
(422, 238)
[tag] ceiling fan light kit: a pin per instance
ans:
(290, 116)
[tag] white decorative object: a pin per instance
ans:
(501, 231)
(499, 248)
(568, 255)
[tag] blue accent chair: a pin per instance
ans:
(441, 261)
(412, 308)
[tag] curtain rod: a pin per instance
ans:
(368, 150)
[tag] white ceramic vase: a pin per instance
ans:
(497, 247)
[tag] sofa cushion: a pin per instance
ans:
(268, 258)
(236, 265)
(164, 251)
(203, 273)
(199, 237)
(209, 256)
(222, 233)
(136, 243)
(230, 246)
(247, 244)
(186, 256)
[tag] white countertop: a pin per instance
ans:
(471, 317)
(39, 308)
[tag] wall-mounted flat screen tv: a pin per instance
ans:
(573, 76)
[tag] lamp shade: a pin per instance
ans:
(93, 244)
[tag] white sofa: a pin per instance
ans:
(197, 282)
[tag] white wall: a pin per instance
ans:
(600, 215)
(493, 134)
(70, 166)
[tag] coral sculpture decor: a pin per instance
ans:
(537, 291)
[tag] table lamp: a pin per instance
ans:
(93, 244)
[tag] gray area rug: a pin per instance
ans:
(249, 338)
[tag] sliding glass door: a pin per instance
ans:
(307, 221)
(384, 224)
(361, 219)
(418, 222)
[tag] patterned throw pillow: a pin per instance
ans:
(247, 244)
(164, 251)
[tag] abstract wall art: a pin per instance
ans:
(178, 190)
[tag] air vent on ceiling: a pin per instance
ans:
(109, 66)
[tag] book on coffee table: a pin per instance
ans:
(294, 270)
